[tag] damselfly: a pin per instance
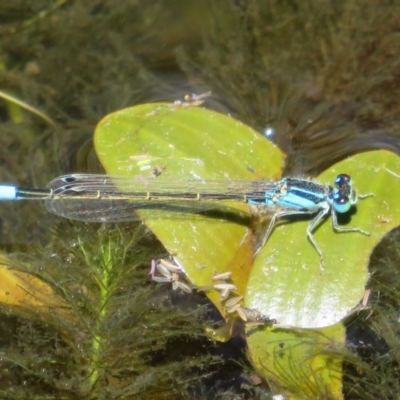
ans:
(103, 198)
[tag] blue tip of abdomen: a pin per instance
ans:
(8, 192)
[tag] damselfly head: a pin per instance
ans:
(342, 180)
(344, 196)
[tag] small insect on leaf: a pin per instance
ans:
(171, 273)
(224, 276)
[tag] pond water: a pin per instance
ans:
(319, 79)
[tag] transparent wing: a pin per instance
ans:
(103, 198)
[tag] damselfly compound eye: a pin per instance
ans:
(341, 180)
(341, 203)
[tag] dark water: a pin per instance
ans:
(322, 77)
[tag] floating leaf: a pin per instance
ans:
(190, 143)
(287, 281)
(300, 363)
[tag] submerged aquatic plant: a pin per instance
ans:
(91, 323)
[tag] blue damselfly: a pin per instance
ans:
(103, 198)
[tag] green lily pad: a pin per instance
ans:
(287, 281)
(188, 143)
(299, 363)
